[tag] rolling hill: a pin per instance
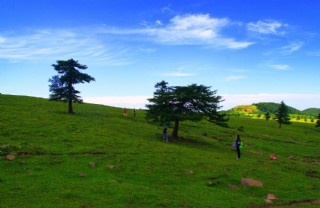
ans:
(271, 107)
(99, 158)
(311, 111)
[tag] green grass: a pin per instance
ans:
(134, 168)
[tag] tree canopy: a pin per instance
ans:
(273, 108)
(267, 116)
(282, 114)
(318, 120)
(180, 103)
(61, 86)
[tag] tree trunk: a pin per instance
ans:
(70, 109)
(175, 129)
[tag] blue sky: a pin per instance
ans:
(250, 51)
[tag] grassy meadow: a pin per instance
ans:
(99, 158)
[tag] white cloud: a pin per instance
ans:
(158, 22)
(200, 21)
(292, 47)
(235, 78)
(167, 9)
(282, 67)
(2, 40)
(196, 29)
(267, 27)
(191, 29)
(179, 72)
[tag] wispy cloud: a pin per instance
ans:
(48, 44)
(292, 47)
(235, 78)
(267, 27)
(179, 73)
(313, 53)
(147, 50)
(281, 67)
(2, 39)
(167, 9)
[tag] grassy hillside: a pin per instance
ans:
(312, 111)
(273, 108)
(100, 158)
(245, 109)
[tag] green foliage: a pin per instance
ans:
(318, 121)
(181, 103)
(282, 114)
(134, 168)
(311, 111)
(267, 116)
(62, 88)
(273, 108)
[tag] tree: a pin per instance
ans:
(181, 103)
(267, 116)
(62, 88)
(282, 115)
(318, 120)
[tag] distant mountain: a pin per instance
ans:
(311, 111)
(273, 108)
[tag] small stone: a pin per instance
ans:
(82, 174)
(271, 197)
(10, 157)
(251, 182)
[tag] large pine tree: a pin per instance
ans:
(181, 103)
(62, 85)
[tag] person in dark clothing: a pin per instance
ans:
(165, 134)
(238, 143)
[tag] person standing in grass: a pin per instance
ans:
(125, 112)
(165, 134)
(238, 144)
